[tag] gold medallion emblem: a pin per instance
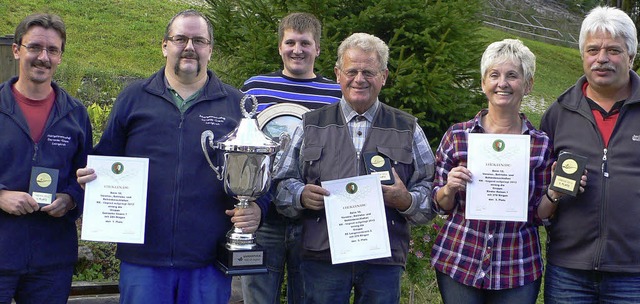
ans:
(377, 161)
(43, 180)
(569, 166)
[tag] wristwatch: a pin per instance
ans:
(552, 200)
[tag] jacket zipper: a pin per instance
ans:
(605, 171)
(176, 198)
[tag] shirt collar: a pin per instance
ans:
(349, 113)
(477, 123)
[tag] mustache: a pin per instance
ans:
(40, 63)
(601, 67)
(190, 55)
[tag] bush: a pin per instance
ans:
(434, 48)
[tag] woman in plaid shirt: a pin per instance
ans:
(488, 261)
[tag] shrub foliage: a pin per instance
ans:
(434, 48)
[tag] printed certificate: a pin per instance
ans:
(356, 220)
(500, 167)
(115, 203)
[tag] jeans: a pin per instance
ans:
(51, 286)
(325, 283)
(572, 286)
(281, 241)
(168, 285)
(454, 292)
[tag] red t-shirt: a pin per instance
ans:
(36, 112)
(605, 121)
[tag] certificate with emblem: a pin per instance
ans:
(356, 219)
(115, 203)
(499, 164)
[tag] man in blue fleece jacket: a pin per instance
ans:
(40, 126)
(162, 118)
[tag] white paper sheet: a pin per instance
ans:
(356, 219)
(499, 164)
(115, 204)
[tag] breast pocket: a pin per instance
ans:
(311, 156)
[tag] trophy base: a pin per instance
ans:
(241, 262)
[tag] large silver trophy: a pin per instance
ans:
(248, 154)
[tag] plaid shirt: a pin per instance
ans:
(490, 254)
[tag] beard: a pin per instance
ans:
(188, 55)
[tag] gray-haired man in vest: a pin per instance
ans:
(330, 145)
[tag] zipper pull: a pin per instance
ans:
(605, 172)
(35, 147)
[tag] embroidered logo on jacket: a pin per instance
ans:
(212, 120)
(58, 140)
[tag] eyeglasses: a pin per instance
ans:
(37, 50)
(182, 41)
(367, 74)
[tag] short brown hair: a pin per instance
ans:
(300, 22)
(47, 21)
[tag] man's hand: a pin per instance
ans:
(396, 196)
(60, 206)
(85, 175)
(247, 219)
(312, 197)
(17, 202)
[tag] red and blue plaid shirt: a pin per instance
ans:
(490, 254)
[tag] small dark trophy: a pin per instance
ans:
(380, 165)
(248, 154)
(43, 185)
(568, 172)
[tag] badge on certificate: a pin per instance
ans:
(380, 165)
(568, 172)
(43, 185)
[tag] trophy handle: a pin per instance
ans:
(207, 137)
(254, 106)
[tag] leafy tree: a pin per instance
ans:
(434, 48)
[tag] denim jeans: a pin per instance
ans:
(454, 292)
(572, 286)
(325, 283)
(281, 241)
(36, 286)
(169, 285)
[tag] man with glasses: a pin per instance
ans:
(330, 145)
(45, 130)
(162, 118)
(298, 46)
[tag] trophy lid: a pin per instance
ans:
(247, 137)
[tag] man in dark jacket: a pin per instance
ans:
(44, 129)
(330, 145)
(594, 245)
(162, 118)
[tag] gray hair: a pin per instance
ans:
(367, 43)
(509, 50)
(613, 21)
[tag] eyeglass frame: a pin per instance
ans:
(193, 41)
(37, 50)
(363, 72)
